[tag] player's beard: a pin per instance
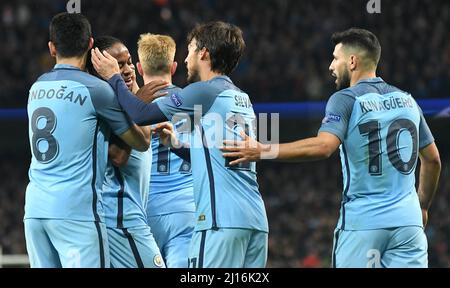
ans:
(194, 76)
(344, 81)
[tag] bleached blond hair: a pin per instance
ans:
(156, 53)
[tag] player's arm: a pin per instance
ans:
(202, 94)
(137, 137)
(118, 151)
(316, 148)
(331, 134)
(139, 111)
(168, 138)
(108, 109)
(430, 169)
(310, 149)
(150, 91)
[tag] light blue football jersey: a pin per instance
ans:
(225, 196)
(171, 184)
(70, 116)
(381, 129)
(125, 191)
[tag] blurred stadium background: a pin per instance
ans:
(287, 58)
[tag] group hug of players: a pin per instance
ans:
(123, 176)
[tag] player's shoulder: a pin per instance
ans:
(44, 77)
(96, 86)
(93, 82)
(391, 88)
(340, 104)
(224, 83)
(212, 87)
(347, 95)
(171, 90)
(375, 85)
(75, 75)
(40, 81)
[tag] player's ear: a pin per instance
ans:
(353, 62)
(204, 54)
(91, 43)
(173, 68)
(52, 48)
(139, 68)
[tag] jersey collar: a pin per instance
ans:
(224, 77)
(65, 66)
(169, 87)
(370, 80)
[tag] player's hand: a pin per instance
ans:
(166, 133)
(150, 91)
(105, 64)
(424, 217)
(248, 150)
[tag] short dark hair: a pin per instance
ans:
(105, 42)
(102, 43)
(70, 33)
(224, 42)
(362, 39)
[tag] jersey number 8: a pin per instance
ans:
(44, 145)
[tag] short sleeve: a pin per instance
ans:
(337, 114)
(196, 96)
(425, 135)
(108, 108)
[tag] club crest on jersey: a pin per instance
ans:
(176, 100)
(331, 118)
(157, 260)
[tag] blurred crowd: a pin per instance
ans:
(288, 41)
(12, 193)
(302, 208)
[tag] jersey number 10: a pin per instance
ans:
(372, 129)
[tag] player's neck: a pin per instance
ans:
(361, 75)
(150, 78)
(74, 61)
(208, 75)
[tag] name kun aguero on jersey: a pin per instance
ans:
(58, 94)
(385, 105)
